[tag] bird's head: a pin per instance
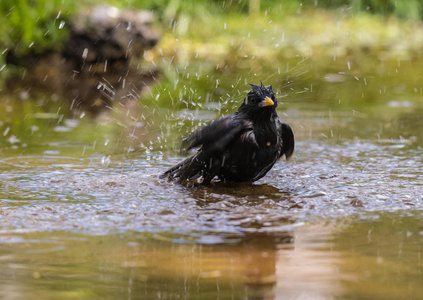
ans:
(260, 98)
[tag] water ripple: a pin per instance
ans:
(324, 181)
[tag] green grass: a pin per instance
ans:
(224, 46)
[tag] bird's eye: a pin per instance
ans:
(251, 100)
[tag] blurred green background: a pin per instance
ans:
(35, 26)
(360, 51)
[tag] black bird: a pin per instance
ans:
(241, 147)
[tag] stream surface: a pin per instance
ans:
(83, 214)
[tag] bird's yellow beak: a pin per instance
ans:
(267, 102)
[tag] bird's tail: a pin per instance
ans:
(189, 169)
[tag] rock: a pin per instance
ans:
(94, 72)
(109, 34)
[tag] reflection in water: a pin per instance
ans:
(238, 193)
(310, 269)
(282, 265)
(381, 256)
(98, 195)
(88, 88)
(80, 221)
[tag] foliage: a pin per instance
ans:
(402, 9)
(171, 9)
(32, 26)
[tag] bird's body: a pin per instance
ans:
(241, 147)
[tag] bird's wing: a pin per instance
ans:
(287, 136)
(218, 134)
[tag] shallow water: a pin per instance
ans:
(84, 215)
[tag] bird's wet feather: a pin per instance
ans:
(241, 147)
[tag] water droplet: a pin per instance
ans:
(6, 131)
(105, 161)
(13, 139)
(85, 53)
